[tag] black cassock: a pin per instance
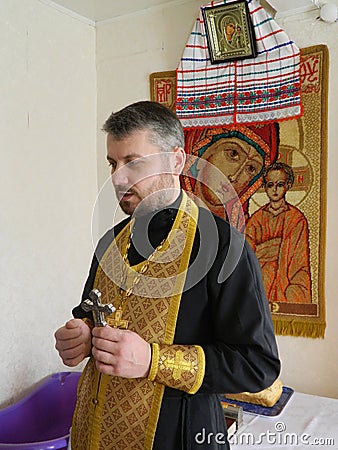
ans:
(223, 309)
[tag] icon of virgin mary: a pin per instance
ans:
(226, 166)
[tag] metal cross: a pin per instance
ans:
(99, 309)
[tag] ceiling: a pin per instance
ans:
(97, 10)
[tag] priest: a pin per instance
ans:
(190, 317)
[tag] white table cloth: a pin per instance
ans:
(307, 422)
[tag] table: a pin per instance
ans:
(307, 421)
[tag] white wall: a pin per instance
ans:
(48, 183)
(131, 47)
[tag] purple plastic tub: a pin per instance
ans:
(41, 421)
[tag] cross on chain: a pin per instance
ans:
(117, 321)
(99, 309)
(178, 365)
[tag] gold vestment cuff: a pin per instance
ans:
(155, 353)
(178, 366)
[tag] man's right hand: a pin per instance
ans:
(73, 342)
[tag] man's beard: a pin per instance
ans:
(159, 195)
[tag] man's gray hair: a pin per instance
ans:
(165, 128)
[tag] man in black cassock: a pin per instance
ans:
(191, 321)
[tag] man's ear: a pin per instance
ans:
(179, 158)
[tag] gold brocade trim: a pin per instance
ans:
(153, 416)
(174, 305)
(181, 367)
(98, 402)
(155, 356)
(180, 279)
(123, 413)
(201, 370)
(85, 407)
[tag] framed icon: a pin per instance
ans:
(229, 31)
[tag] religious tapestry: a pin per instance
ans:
(283, 214)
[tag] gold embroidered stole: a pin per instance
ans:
(120, 413)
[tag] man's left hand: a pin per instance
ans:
(121, 353)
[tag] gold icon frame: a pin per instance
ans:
(229, 31)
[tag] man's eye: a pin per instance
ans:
(134, 162)
(269, 185)
(112, 165)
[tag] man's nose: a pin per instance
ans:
(120, 177)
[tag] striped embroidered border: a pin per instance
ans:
(258, 89)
